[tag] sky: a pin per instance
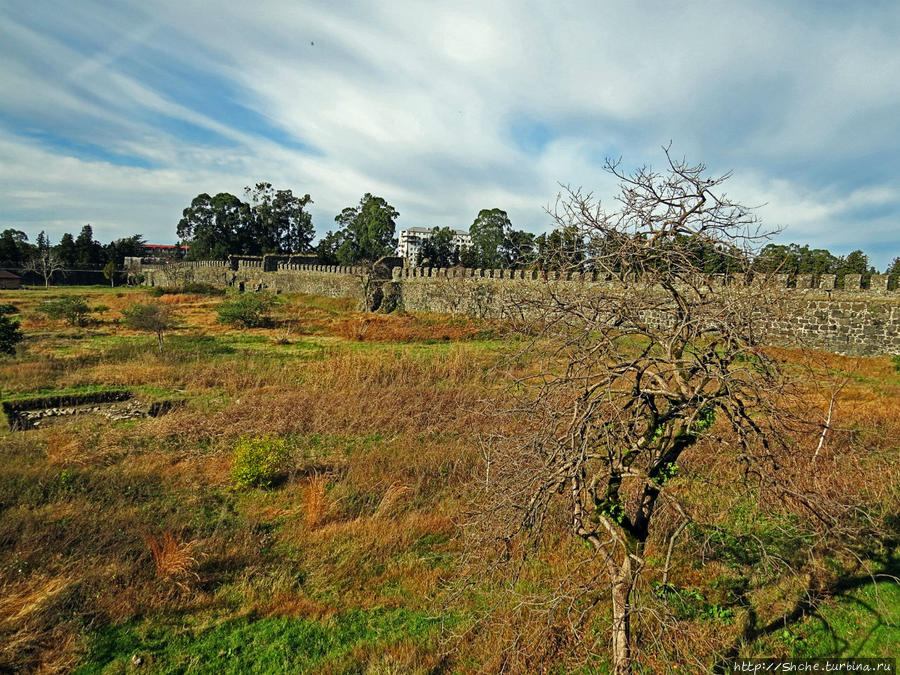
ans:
(118, 113)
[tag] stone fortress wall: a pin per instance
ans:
(850, 320)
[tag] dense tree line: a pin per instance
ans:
(274, 221)
(270, 221)
(71, 253)
(796, 259)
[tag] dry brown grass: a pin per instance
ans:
(407, 328)
(64, 447)
(172, 559)
(296, 606)
(349, 393)
(27, 627)
(393, 429)
(392, 496)
(178, 299)
(315, 501)
(401, 658)
(22, 376)
(133, 374)
(18, 602)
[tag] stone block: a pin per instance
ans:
(879, 283)
(804, 281)
(852, 282)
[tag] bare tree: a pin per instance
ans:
(648, 355)
(45, 263)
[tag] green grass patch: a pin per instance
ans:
(143, 391)
(863, 623)
(93, 290)
(43, 392)
(272, 645)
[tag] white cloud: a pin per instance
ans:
(418, 103)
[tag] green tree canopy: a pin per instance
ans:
(488, 233)
(366, 231)
(152, 317)
(15, 250)
(73, 308)
(66, 251)
(795, 259)
(88, 252)
(438, 250)
(10, 335)
(855, 262)
(116, 251)
(561, 248)
(275, 221)
(495, 244)
(327, 248)
(214, 226)
(517, 248)
(279, 223)
(893, 271)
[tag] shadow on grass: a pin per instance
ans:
(828, 633)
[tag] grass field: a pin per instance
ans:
(130, 546)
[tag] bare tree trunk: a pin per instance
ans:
(825, 427)
(623, 583)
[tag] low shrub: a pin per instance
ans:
(257, 461)
(250, 310)
(152, 317)
(73, 308)
(8, 308)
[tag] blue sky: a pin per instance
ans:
(118, 114)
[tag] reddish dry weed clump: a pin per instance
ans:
(173, 560)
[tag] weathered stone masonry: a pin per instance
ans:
(851, 320)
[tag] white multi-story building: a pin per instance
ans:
(412, 238)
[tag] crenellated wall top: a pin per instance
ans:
(877, 285)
